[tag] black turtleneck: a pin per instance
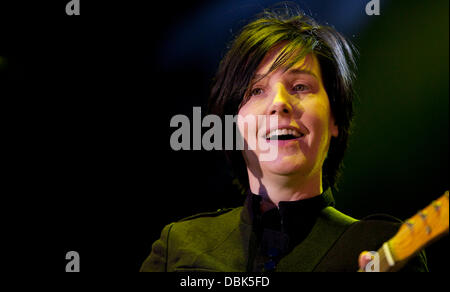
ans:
(279, 230)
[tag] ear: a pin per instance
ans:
(334, 128)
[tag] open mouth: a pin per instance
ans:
(284, 134)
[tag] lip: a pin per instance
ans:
(289, 127)
(281, 143)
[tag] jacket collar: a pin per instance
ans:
(288, 210)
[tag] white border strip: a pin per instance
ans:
(388, 254)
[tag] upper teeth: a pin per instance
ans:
(280, 132)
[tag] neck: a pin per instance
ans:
(276, 188)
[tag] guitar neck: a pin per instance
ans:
(426, 226)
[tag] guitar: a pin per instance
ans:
(425, 227)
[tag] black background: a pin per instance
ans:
(87, 102)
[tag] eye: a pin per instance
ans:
(300, 87)
(256, 91)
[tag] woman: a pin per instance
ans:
(288, 69)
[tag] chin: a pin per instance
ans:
(286, 165)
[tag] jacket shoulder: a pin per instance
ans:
(211, 214)
(181, 241)
(336, 217)
(208, 224)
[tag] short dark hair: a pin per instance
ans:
(301, 35)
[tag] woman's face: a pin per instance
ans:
(298, 99)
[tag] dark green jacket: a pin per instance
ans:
(225, 241)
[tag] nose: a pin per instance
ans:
(280, 104)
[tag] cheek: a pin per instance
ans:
(316, 113)
(254, 106)
(317, 118)
(248, 117)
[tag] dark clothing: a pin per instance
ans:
(279, 230)
(298, 236)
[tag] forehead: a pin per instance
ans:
(308, 63)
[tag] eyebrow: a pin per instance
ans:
(301, 71)
(290, 72)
